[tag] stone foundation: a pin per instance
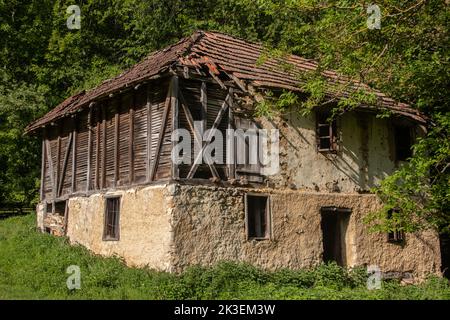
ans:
(169, 227)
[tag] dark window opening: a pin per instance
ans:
(403, 143)
(60, 208)
(326, 133)
(396, 236)
(112, 213)
(444, 240)
(257, 213)
(49, 207)
(334, 225)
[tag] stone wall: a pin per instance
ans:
(169, 227)
(209, 226)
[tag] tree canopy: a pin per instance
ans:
(42, 62)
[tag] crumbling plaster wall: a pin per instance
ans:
(145, 232)
(209, 226)
(364, 157)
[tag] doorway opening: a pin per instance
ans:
(444, 240)
(334, 229)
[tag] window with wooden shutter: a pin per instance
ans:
(112, 215)
(326, 133)
(247, 147)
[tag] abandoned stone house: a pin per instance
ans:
(109, 182)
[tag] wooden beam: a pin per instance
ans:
(74, 155)
(197, 138)
(50, 166)
(97, 157)
(221, 84)
(149, 133)
(204, 103)
(64, 167)
(238, 82)
(231, 162)
(223, 109)
(175, 113)
(89, 156)
(161, 133)
(103, 177)
(116, 141)
(131, 140)
(43, 165)
(58, 159)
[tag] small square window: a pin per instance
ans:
(60, 208)
(257, 216)
(112, 215)
(325, 133)
(397, 236)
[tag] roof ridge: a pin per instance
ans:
(232, 53)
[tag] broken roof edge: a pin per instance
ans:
(157, 63)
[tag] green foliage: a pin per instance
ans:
(421, 187)
(33, 266)
(19, 181)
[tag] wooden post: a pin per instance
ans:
(74, 155)
(103, 178)
(58, 160)
(131, 140)
(50, 166)
(204, 102)
(89, 157)
(43, 165)
(97, 152)
(149, 133)
(116, 141)
(64, 167)
(231, 160)
(161, 133)
(175, 112)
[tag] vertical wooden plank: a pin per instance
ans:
(97, 157)
(116, 141)
(131, 139)
(175, 113)
(149, 133)
(58, 160)
(43, 164)
(161, 133)
(103, 173)
(89, 156)
(64, 167)
(204, 102)
(50, 166)
(232, 159)
(74, 154)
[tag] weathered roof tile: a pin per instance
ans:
(232, 55)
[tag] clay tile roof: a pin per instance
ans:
(217, 51)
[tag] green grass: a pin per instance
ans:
(33, 266)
